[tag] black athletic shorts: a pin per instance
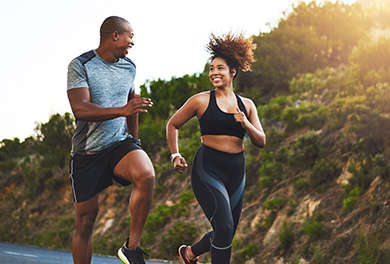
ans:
(92, 173)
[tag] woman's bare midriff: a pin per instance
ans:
(229, 144)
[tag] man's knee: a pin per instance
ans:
(145, 179)
(85, 227)
(85, 223)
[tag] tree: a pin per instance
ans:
(372, 58)
(54, 138)
(171, 95)
(313, 36)
(9, 149)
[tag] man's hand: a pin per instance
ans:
(136, 105)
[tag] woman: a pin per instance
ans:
(218, 171)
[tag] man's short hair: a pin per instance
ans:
(112, 24)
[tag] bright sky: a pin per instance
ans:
(41, 37)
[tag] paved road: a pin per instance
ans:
(17, 254)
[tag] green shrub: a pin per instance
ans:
(268, 220)
(270, 173)
(273, 109)
(380, 167)
(318, 257)
(156, 222)
(301, 184)
(360, 170)
(369, 248)
(163, 215)
(307, 150)
(247, 252)
(179, 233)
(352, 197)
(7, 165)
(183, 205)
(313, 229)
(303, 84)
(274, 204)
(305, 114)
(286, 236)
(265, 181)
(321, 172)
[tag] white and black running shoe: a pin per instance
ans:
(131, 256)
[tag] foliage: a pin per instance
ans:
(177, 234)
(272, 110)
(172, 94)
(307, 150)
(274, 204)
(9, 148)
(246, 253)
(286, 236)
(270, 173)
(321, 172)
(311, 37)
(369, 248)
(365, 169)
(304, 114)
(373, 60)
(318, 257)
(313, 229)
(352, 197)
(269, 220)
(301, 184)
(164, 214)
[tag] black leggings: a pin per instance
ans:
(218, 181)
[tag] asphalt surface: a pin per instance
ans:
(18, 254)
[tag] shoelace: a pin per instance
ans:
(141, 254)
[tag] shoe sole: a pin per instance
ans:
(122, 256)
(182, 257)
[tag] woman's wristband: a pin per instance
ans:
(174, 156)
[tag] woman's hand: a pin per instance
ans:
(180, 164)
(240, 117)
(252, 126)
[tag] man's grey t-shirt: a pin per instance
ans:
(109, 85)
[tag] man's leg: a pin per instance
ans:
(137, 168)
(86, 213)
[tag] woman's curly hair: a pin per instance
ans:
(235, 49)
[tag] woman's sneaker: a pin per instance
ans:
(131, 256)
(184, 257)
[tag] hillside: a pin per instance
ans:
(317, 193)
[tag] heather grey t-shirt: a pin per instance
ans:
(109, 85)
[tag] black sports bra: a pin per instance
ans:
(216, 122)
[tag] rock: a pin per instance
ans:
(274, 230)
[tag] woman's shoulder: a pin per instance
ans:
(200, 97)
(246, 101)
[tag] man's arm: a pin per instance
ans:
(132, 121)
(83, 109)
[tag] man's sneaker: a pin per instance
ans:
(184, 257)
(131, 256)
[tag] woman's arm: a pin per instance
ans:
(252, 126)
(185, 113)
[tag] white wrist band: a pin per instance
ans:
(174, 155)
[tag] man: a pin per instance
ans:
(103, 101)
